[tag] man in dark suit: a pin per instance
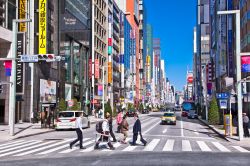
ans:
(137, 130)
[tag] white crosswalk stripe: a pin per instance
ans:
(74, 148)
(14, 144)
(45, 147)
(186, 146)
(21, 146)
(240, 149)
(10, 143)
(151, 146)
(169, 146)
(220, 147)
(203, 146)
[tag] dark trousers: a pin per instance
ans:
(112, 134)
(245, 128)
(104, 139)
(79, 138)
(135, 135)
(118, 128)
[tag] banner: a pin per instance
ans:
(47, 91)
(97, 68)
(100, 90)
(90, 68)
(42, 49)
(245, 64)
(19, 65)
(109, 72)
(22, 15)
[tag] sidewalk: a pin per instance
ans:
(22, 130)
(220, 131)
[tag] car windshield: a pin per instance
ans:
(169, 114)
(66, 114)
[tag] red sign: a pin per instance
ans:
(97, 68)
(190, 79)
(70, 103)
(109, 41)
(90, 68)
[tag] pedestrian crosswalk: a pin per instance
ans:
(47, 147)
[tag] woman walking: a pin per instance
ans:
(124, 129)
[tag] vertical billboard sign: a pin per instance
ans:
(90, 68)
(97, 68)
(100, 90)
(109, 72)
(245, 64)
(19, 65)
(22, 14)
(42, 26)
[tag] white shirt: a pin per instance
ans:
(79, 123)
(105, 125)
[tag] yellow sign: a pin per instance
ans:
(22, 15)
(109, 72)
(42, 26)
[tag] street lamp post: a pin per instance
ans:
(238, 67)
(103, 82)
(12, 93)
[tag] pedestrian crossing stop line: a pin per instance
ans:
(15, 144)
(169, 146)
(21, 146)
(24, 149)
(220, 147)
(186, 146)
(203, 146)
(45, 147)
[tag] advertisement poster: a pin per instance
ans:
(68, 92)
(47, 91)
(97, 68)
(100, 90)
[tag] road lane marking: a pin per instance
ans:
(182, 133)
(15, 144)
(172, 136)
(130, 148)
(220, 147)
(75, 148)
(169, 146)
(156, 123)
(203, 146)
(240, 149)
(21, 146)
(186, 146)
(164, 131)
(27, 148)
(151, 146)
(10, 143)
(45, 147)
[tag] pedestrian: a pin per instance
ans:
(105, 133)
(137, 130)
(119, 121)
(124, 128)
(245, 125)
(110, 121)
(79, 131)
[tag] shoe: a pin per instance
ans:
(96, 147)
(112, 148)
(145, 143)
(70, 146)
(82, 148)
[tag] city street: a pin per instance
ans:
(189, 143)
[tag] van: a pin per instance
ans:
(67, 120)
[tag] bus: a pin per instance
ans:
(186, 107)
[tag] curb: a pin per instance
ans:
(215, 130)
(33, 134)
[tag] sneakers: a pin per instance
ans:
(145, 143)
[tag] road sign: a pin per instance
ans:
(223, 104)
(29, 58)
(70, 103)
(222, 95)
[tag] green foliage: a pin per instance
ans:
(62, 105)
(141, 107)
(213, 114)
(107, 108)
(76, 106)
(130, 106)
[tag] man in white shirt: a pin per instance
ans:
(79, 131)
(105, 131)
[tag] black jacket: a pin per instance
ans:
(137, 126)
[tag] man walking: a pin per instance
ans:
(110, 121)
(105, 134)
(78, 132)
(245, 125)
(136, 130)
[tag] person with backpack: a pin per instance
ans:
(137, 130)
(103, 128)
(124, 129)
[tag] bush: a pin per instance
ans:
(107, 108)
(76, 105)
(213, 113)
(141, 107)
(62, 105)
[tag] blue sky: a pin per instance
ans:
(173, 22)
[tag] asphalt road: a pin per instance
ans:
(187, 143)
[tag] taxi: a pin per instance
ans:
(168, 118)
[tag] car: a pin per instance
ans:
(130, 113)
(184, 113)
(67, 120)
(155, 110)
(168, 118)
(145, 111)
(192, 114)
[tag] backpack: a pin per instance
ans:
(98, 127)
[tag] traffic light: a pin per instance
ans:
(1, 88)
(8, 67)
(46, 57)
